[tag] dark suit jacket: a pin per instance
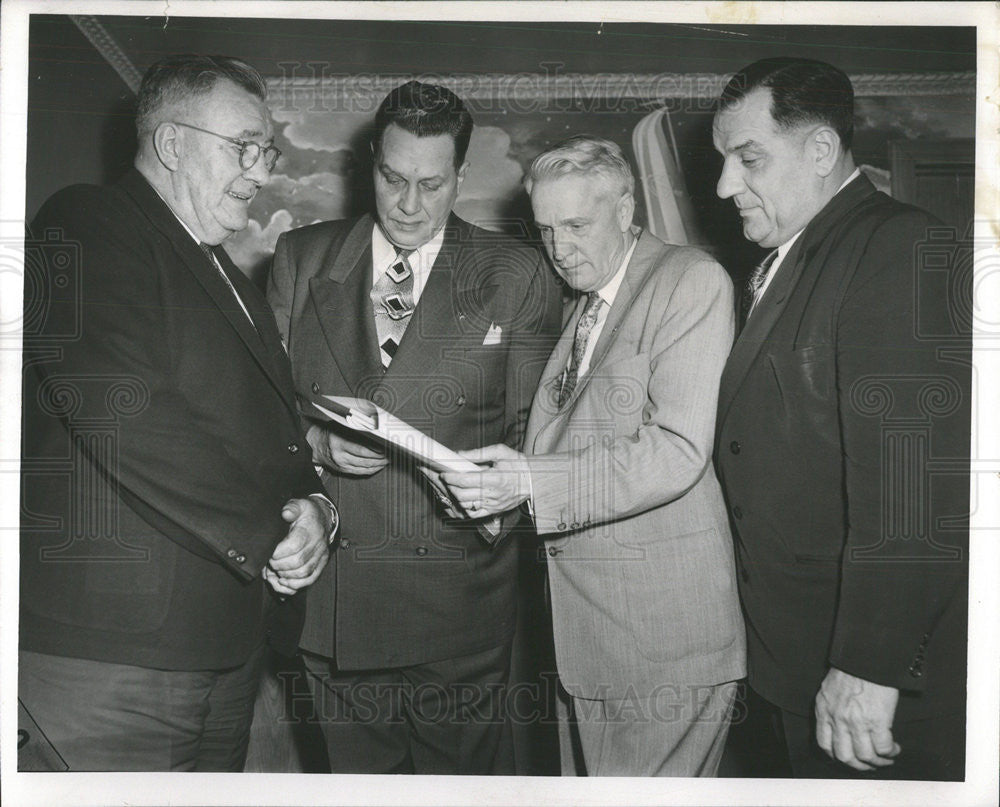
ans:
(161, 439)
(408, 586)
(842, 446)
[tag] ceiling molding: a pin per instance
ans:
(109, 48)
(541, 92)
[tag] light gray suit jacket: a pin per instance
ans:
(640, 556)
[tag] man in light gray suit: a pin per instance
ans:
(618, 475)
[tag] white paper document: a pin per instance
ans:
(364, 416)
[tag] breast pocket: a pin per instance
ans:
(806, 384)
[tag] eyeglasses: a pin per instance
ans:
(249, 151)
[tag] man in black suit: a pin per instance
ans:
(842, 445)
(164, 472)
(408, 632)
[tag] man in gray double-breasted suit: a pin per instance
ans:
(617, 473)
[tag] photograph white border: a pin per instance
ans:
(297, 789)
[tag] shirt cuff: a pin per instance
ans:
(334, 515)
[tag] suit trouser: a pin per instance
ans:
(443, 717)
(679, 730)
(773, 742)
(116, 717)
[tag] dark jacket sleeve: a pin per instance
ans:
(170, 461)
(904, 402)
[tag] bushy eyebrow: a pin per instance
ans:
(562, 222)
(385, 168)
(246, 133)
(747, 144)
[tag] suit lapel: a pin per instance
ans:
(638, 268)
(545, 407)
(340, 294)
(200, 266)
(439, 323)
(640, 264)
(770, 308)
(266, 329)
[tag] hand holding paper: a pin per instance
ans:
(492, 489)
(340, 454)
(365, 417)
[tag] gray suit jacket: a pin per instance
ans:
(640, 556)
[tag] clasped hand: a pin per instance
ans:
(300, 557)
(854, 720)
(503, 483)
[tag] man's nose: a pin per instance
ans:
(730, 183)
(560, 248)
(258, 172)
(409, 200)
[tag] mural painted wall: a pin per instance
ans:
(324, 172)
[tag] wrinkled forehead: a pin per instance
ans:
(234, 112)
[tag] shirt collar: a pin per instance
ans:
(609, 290)
(783, 249)
(421, 259)
(190, 232)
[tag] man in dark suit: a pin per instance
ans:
(162, 452)
(408, 632)
(842, 445)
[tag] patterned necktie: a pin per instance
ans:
(584, 327)
(215, 262)
(392, 300)
(752, 288)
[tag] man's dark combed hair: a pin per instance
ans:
(803, 91)
(187, 75)
(425, 110)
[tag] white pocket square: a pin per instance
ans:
(493, 335)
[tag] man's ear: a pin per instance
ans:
(167, 145)
(461, 172)
(625, 210)
(827, 150)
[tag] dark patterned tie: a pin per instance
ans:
(392, 301)
(584, 327)
(752, 288)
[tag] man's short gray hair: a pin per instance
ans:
(583, 154)
(179, 78)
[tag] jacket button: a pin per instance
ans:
(735, 446)
(737, 512)
(561, 525)
(240, 558)
(574, 526)
(315, 388)
(460, 400)
(916, 670)
(421, 550)
(553, 551)
(345, 544)
(293, 448)
(230, 553)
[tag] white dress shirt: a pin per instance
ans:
(215, 260)
(421, 260)
(608, 292)
(784, 249)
